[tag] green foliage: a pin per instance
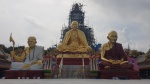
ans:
(135, 53)
(47, 71)
(94, 72)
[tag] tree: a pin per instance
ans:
(135, 53)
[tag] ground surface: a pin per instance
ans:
(72, 81)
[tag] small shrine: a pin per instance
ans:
(4, 62)
(143, 62)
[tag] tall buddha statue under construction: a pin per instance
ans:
(74, 40)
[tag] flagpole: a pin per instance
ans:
(13, 47)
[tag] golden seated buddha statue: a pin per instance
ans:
(113, 55)
(74, 40)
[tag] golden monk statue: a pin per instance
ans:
(31, 58)
(74, 40)
(113, 55)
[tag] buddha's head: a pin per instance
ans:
(74, 25)
(32, 41)
(112, 36)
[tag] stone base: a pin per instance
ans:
(2, 71)
(24, 74)
(145, 73)
(119, 73)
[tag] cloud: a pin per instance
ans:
(133, 16)
(44, 19)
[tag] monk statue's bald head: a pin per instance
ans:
(74, 25)
(32, 38)
(112, 36)
(32, 41)
(112, 33)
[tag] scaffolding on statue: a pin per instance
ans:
(77, 14)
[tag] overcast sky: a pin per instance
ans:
(44, 19)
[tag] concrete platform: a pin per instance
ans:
(72, 81)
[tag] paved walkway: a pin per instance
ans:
(72, 81)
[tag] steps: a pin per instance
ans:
(75, 71)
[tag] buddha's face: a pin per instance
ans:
(113, 37)
(31, 42)
(74, 25)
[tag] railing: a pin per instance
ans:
(61, 63)
(94, 62)
(60, 66)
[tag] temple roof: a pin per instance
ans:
(144, 57)
(144, 60)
